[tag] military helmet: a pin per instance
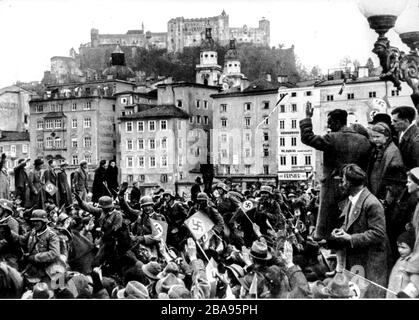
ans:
(146, 201)
(39, 215)
(6, 205)
(202, 196)
(222, 186)
(105, 202)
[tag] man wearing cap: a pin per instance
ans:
(341, 146)
(80, 181)
(404, 122)
(35, 185)
(22, 191)
(268, 209)
(50, 176)
(363, 233)
(110, 222)
(175, 214)
(384, 117)
(41, 246)
(64, 189)
(4, 179)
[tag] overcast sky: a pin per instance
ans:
(322, 31)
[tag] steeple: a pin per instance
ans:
(208, 71)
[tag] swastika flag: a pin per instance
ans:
(199, 224)
(159, 229)
(50, 188)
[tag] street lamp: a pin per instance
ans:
(382, 15)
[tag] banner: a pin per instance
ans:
(199, 224)
(159, 229)
(50, 188)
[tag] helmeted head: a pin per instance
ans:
(147, 204)
(168, 195)
(202, 200)
(39, 219)
(106, 203)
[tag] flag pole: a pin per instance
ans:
(376, 284)
(202, 250)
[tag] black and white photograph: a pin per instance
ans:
(231, 152)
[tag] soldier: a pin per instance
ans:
(268, 209)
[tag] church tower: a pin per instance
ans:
(232, 76)
(208, 72)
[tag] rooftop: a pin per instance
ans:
(160, 111)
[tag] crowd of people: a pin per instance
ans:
(352, 237)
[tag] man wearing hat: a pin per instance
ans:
(9, 250)
(268, 209)
(22, 190)
(175, 214)
(227, 204)
(341, 146)
(362, 239)
(50, 177)
(4, 179)
(35, 185)
(63, 187)
(110, 222)
(196, 188)
(80, 181)
(133, 290)
(41, 246)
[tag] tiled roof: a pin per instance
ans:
(161, 111)
(14, 136)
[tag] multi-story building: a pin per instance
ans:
(14, 108)
(245, 139)
(15, 145)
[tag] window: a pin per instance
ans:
(265, 152)
(197, 152)
(394, 93)
(247, 136)
(13, 148)
(129, 162)
(40, 125)
(164, 143)
(293, 141)
(227, 169)
(266, 120)
(205, 119)
(223, 108)
(282, 108)
(130, 178)
(293, 107)
(140, 126)
(282, 124)
(73, 123)
(308, 93)
(74, 143)
(224, 122)
(128, 126)
(293, 94)
(40, 143)
(308, 160)
(191, 119)
(179, 103)
(247, 121)
(247, 106)
(26, 118)
(152, 126)
(198, 104)
(329, 97)
(198, 119)
(223, 137)
(129, 145)
(205, 104)
(124, 100)
(293, 160)
(49, 142)
(247, 169)
(141, 177)
(224, 153)
(48, 124)
(164, 161)
(140, 144)
(372, 94)
(283, 160)
(293, 124)
(39, 108)
(57, 123)
(152, 162)
(113, 108)
(247, 153)
(141, 162)
(57, 143)
(265, 136)
(351, 96)
(74, 107)
(87, 106)
(266, 169)
(87, 122)
(282, 142)
(163, 178)
(87, 142)
(75, 160)
(152, 144)
(163, 124)
(266, 105)
(179, 143)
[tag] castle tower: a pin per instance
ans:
(265, 25)
(232, 76)
(208, 71)
(94, 37)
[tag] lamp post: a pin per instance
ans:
(382, 15)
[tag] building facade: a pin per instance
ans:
(14, 108)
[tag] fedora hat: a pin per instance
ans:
(260, 251)
(152, 270)
(133, 290)
(236, 270)
(38, 162)
(164, 285)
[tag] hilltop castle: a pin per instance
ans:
(183, 32)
